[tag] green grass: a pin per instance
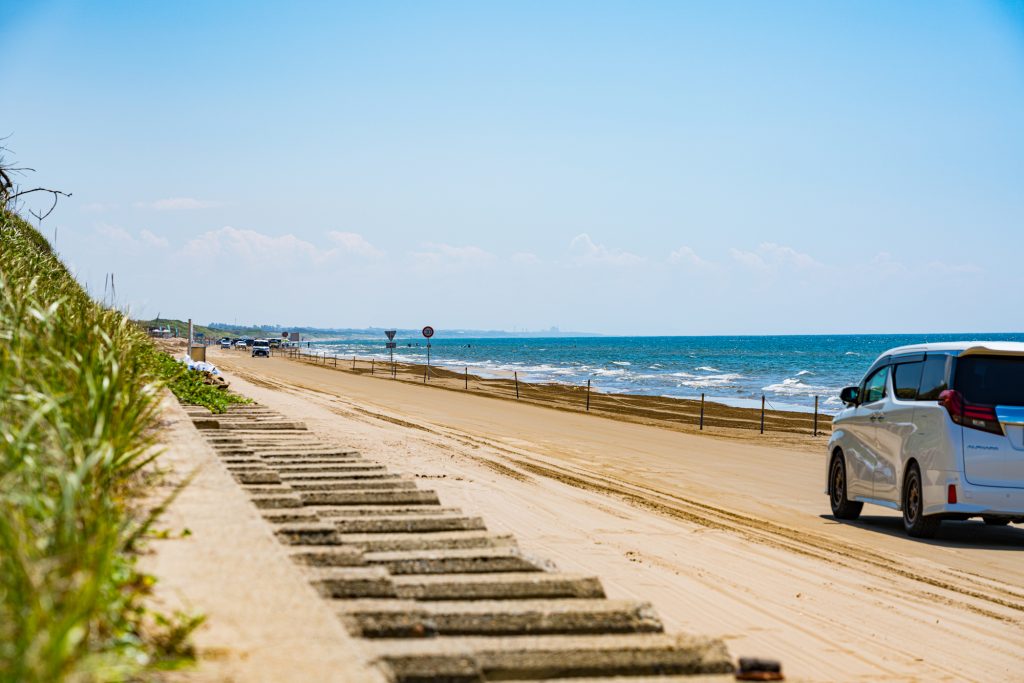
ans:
(189, 386)
(79, 390)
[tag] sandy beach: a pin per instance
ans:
(727, 534)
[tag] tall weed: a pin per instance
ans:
(79, 388)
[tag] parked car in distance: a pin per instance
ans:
(935, 431)
(225, 343)
(275, 343)
(240, 344)
(261, 347)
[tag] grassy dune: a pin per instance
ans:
(79, 390)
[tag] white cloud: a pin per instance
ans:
(179, 204)
(97, 207)
(585, 251)
(149, 238)
(146, 238)
(254, 247)
(953, 268)
(354, 243)
(685, 256)
(773, 257)
(113, 232)
(446, 255)
(525, 258)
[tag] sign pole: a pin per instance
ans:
(391, 350)
(428, 332)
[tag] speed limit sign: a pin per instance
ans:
(428, 331)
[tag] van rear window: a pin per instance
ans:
(991, 380)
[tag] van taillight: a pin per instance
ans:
(970, 414)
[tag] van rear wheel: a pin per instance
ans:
(841, 507)
(915, 522)
(995, 521)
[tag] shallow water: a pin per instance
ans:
(789, 370)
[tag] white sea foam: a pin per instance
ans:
(727, 379)
(707, 368)
(804, 372)
(791, 386)
(621, 362)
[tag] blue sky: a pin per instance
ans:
(633, 168)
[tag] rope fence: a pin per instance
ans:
(699, 413)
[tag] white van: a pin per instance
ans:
(936, 431)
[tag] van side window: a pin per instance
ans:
(906, 377)
(934, 377)
(874, 387)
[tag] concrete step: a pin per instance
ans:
(436, 540)
(672, 678)
(382, 510)
(248, 467)
(351, 484)
(276, 501)
(268, 489)
(255, 425)
(307, 533)
(244, 433)
(327, 556)
(368, 497)
(410, 619)
(312, 475)
(458, 561)
(299, 452)
(352, 582)
(257, 477)
(406, 523)
(314, 462)
(359, 467)
(473, 659)
(243, 460)
(502, 586)
(291, 516)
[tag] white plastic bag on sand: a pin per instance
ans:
(199, 365)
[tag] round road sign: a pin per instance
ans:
(428, 331)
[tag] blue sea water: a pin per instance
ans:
(789, 370)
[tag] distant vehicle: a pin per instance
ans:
(225, 343)
(935, 431)
(275, 343)
(261, 347)
(240, 344)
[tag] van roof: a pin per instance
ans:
(965, 348)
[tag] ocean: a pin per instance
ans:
(735, 370)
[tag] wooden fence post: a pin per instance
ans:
(702, 411)
(467, 378)
(762, 413)
(372, 361)
(516, 375)
(353, 363)
(588, 395)
(815, 416)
